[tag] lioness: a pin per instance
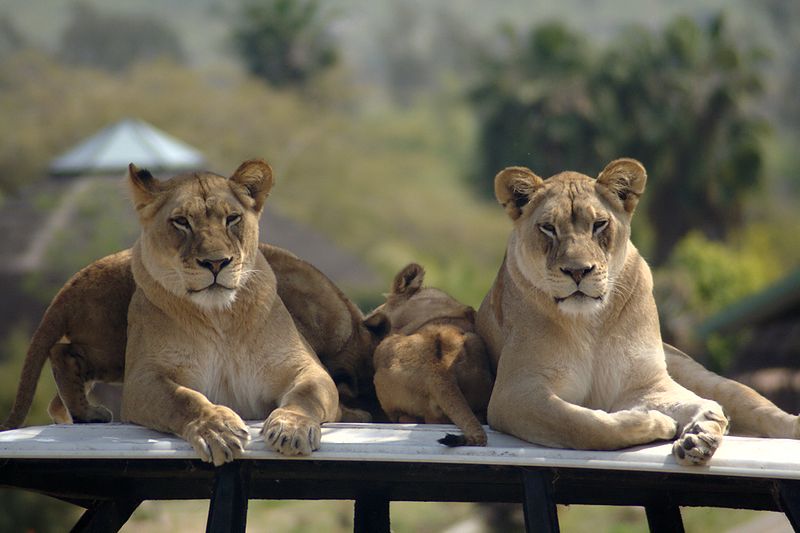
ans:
(572, 329)
(90, 316)
(209, 340)
(433, 366)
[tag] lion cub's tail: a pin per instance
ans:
(49, 332)
(446, 393)
(749, 412)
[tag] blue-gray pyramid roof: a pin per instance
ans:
(130, 141)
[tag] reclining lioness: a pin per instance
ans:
(572, 329)
(209, 340)
(432, 367)
(84, 331)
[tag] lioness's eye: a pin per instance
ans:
(548, 229)
(181, 223)
(599, 226)
(233, 219)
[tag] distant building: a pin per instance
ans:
(109, 152)
(770, 359)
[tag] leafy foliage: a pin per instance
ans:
(534, 105)
(675, 100)
(285, 42)
(703, 277)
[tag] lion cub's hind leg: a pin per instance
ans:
(415, 378)
(72, 373)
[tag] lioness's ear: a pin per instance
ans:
(378, 325)
(513, 187)
(626, 179)
(144, 187)
(255, 175)
(409, 280)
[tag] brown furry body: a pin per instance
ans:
(84, 332)
(572, 327)
(433, 367)
(209, 340)
(89, 313)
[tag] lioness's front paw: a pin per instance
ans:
(218, 435)
(700, 439)
(291, 433)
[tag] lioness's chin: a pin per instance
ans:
(580, 304)
(214, 298)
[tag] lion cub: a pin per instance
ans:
(83, 334)
(433, 366)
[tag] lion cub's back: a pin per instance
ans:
(95, 302)
(323, 314)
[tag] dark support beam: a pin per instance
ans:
(789, 500)
(371, 513)
(664, 518)
(106, 516)
(227, 511)
(538, 503)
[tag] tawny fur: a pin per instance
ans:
(332, 324)
(210, 342)
(572, 329)
(433, 367)
(84, 332)
(750, 413)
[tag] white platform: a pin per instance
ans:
(737, 456)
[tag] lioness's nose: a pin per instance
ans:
(214, 265)
(577, 273)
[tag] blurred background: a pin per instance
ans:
(385, 123)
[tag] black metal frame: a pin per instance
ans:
(110, 490)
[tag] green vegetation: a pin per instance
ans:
(378, 117)
(285, 42)
(676, 100)
(114, 42)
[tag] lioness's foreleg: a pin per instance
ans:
(215, 432)
(750, 413)
(527, 409)
(701, 422)
(294, 427)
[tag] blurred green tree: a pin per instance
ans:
(677, 100)
(11, 40)
(114, 42)
(785, 18)
(285, 42)
(534, 105)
